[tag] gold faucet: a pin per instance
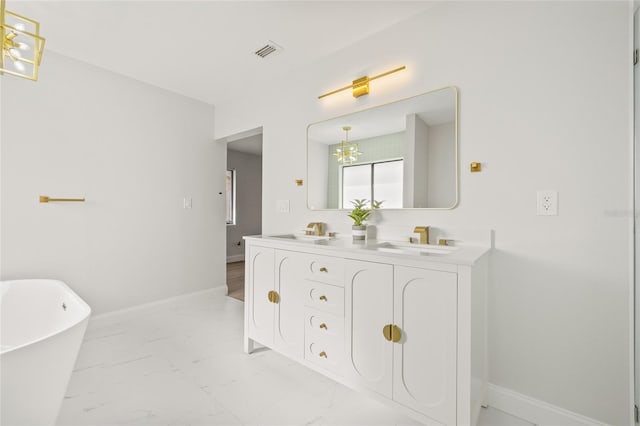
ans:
(315, 228)
(424, 234)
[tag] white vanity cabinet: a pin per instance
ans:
(424, 358)
(401, 335)
(369, 302)
(406, 330)
(273, 300)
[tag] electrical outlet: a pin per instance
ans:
(547, 203)
(187, 203)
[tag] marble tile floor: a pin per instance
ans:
(181, 363)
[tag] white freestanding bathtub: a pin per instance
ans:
(41, 329)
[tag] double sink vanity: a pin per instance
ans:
(405, 323)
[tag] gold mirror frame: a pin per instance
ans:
(456, 149)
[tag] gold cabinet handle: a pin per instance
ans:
(323, 297)
(386, 332)
(323, 325)
(396, 334)
(323, 269)
(323, 354)
(392, 333)
(273, 296)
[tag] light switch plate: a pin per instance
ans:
(282, 206)
(187, 203)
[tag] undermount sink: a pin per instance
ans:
(413, 249)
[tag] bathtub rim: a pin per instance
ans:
(86, 310)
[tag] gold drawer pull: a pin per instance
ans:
(323, 297)
(273, 296)
(323, 325)
(323, 269)
(323, 354)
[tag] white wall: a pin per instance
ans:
(134, 151)
(417, 175)
(248, 201)
(318, 177)
(442, 177)
(544, 99)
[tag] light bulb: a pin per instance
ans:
(18, 65)
(19, 26)
(15, 53)
(24, 46)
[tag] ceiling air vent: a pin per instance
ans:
(268, 49)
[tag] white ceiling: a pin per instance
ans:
(204, 49)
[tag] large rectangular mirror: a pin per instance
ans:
(404, 153)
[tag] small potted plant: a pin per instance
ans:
(360, 214)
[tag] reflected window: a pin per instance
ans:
(380, 181)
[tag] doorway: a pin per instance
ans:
(244, 202)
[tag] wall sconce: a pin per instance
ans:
(347, 152)
(21, 44)
(360, 85)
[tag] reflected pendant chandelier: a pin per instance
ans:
(21, 44)
(347, 152)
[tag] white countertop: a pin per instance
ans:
(461, 254)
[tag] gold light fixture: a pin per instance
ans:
(347, 152)
(360, 85)
(21, 44)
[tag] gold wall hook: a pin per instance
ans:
(46, 199)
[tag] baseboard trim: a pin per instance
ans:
(235, 258)
(533, 410)
(222, 290)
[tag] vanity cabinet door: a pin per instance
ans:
(260, 286)
(289, 309)
(368, 309)
(425, 310)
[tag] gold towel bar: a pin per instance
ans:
(45, 199)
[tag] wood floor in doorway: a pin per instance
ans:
(235, 280)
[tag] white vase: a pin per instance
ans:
(359, 232)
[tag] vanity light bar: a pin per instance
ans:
(360, 85)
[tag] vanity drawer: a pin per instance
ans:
(326, 269)
(325, 298)
(322, 325)
(325, 353)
